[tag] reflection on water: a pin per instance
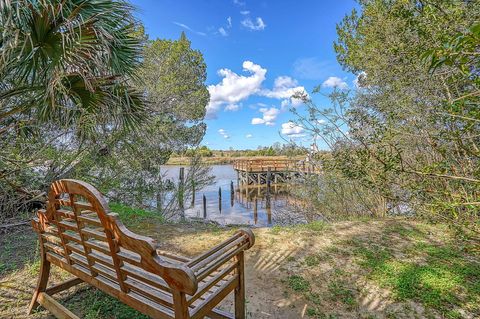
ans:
(253, 205)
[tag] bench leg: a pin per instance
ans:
(180, 305)
(42, 280)
(240, 289)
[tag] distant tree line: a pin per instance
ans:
(277, 149)
(407, 138)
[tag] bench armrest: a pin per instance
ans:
(213, 259)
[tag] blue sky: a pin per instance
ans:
(257, 54)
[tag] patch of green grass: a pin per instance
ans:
(404, 231)
(314, 297)
(298, 283)
(443, 278)
(132, 216)
(275, 230)
(291, 259)
(95, 304)
(339, 291)
(312, 260)
(316, 226)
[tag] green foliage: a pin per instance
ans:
(445, 277)
(84, 94)
(54, 68)
(298, 283)
(98, 305)
(413, 122)
(312, 260)
(132, 216)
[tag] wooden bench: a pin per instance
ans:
(78, 233)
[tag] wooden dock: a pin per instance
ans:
(264, 171)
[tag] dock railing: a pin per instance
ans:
(275, 165)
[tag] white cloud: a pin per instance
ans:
(245, 12)
(234, 88)
(232, 107)
(223, 133)
(189, 29)
(258, 25)
(335, 82)
(284, 88)
(257, 120)
(222, 31)
(293, 130)
(249, 136)
(239, 2)
(284, 105)
(229, 22)
(269, 116)
(311, 68)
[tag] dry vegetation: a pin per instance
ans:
(393, 268)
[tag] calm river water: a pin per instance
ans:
(239, 208)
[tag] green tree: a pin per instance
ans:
(66, 70)
(172, 76)
(413, 121)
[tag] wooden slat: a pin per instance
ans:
(204, 308)
(90, 219)
(84, 206)
(72, 236)
(212, 257)
(216, 263)
(213, 250)
(207, 285)
(98, 245)
(54, 248)
(63, 286)
(145, 276)
(54, 307)
(95, 233)
(70, 225)
(150, 292)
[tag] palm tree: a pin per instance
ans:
(69, 63)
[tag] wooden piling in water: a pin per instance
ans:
(181, 188)
(232, 194)
(193, 194)
(220, 199)
(204, 207)
(255, 211)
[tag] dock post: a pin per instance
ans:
(220, 199)
(193, 194)
(269, 176)
(181, 188)
(255, 211)
(269, 214)
(204, 207)
(232, 194)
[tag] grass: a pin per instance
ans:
(98, 305)
(298, 283)
(438, 276)
(132, 216)
(315, 226)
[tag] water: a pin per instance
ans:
(271, 208)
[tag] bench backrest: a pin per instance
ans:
(95, 240)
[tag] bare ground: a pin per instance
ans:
(314, 271)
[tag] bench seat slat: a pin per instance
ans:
(90, 219)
